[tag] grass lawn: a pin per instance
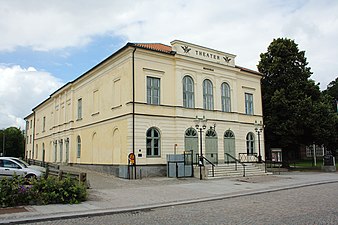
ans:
(308, 165)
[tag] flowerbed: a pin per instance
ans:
(18, 191)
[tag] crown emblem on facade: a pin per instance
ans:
(186, 49)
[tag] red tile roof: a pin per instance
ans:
(249, 70)
(156, 46)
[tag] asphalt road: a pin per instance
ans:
(316, 204)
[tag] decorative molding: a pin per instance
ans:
(227, 59)
(186, 48)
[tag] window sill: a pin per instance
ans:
(79, 119)
(115, 107)
(96, 113)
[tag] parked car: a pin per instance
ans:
(34, 167)
(9, 167)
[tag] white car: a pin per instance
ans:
(9, 167)
(34, 167)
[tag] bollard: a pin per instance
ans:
(60, 175)
(47, 171)
(82, 177)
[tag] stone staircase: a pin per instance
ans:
(228, 170)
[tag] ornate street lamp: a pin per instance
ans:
(200, 128)
(259, 129)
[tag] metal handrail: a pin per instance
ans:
(213, 165)
(262, 162)
(236, 161)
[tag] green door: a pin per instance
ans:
(191, 142)
(211, 146)
(229, 146)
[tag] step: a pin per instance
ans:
(228, 170)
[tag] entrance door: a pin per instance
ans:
(229, 145)
(191, 142)
(211, 146)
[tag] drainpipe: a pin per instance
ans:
(133, 74)
(32, 156)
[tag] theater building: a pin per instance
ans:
(148, 99)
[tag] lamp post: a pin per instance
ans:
(200, 129)
(259, 129)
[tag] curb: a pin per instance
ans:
(102, 212)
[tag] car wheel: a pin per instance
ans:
(30, 177)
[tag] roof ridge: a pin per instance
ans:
(155, 46)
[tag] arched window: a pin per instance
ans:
(188, 92)
(250, 143)
(229, 145)
(153, 142)
(78, 146)
(229, 134)
(208, 98)
(226, 101)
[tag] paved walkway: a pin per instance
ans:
(109, 194)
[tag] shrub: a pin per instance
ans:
(17, 191)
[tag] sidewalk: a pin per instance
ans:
(111, 195)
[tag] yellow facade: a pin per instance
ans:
(115, 115)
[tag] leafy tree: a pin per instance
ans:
(295, 112)
(332, 90)
(12, 142)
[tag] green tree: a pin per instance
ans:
(293, 106)
(332, 90)
(12, 142)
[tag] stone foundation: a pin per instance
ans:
(123, 172)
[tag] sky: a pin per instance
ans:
(47, 43)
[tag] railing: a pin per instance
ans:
(236, 161)
(252, 158)
(54, 170)
(42, 164)
(212, 165)
(245, 157)
(273, 165)
(262, 161)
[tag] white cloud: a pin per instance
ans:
(244, 28)
(21, 89)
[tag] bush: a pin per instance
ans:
(17, 191)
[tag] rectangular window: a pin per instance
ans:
(153, 90)
(249, 104)
(27, 125)
(117, 93)
(31, 124)
(79, 108)
(96, 101)
(43, 124)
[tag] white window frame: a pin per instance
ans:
(79, 109)
(188, 92)
(250, 143)
(78, 146)
(155, 142)
(226, 97)
(249, 107)
(152, 89)
(208, 95)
